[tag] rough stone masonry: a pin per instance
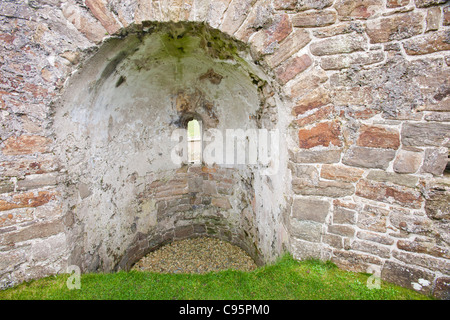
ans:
(90, 91)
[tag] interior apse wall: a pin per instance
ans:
(358, 90)
(114, 127)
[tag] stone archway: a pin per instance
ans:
(363, 87)
(114, 126)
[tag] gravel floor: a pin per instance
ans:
(196, 255)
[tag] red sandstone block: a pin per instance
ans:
(292, 67)
(446, 19)
(195, 169)
(280, 29)
(433, 19)
(345, 43)
(345, 231)
(35, 231)
(343, 216)
(424, 247)
(406, 276)
(323, 134)
(375, 237)
(319, 115)
(285, 4)
(312, 19)
(27, 200)
(7, 38)
(306, 83)
(337, 29)
(389, 194)
(378, 137)
(343, 61)
(20, 167)
(340, 203)
(221, 179)
(407, 161)
(332, 189)
(373, 218)
(156, 183)
(301, 5)
(359, 9)
(298, 39)
(368, 157)
(442, 288)
(341, 173)
(171, 184)
(2, 99)
(266, 40)
(101, 12)
(25, 145)
(363, 114)
(428, 43)
(209, 169)
(36, 90)
(354, 261)
(235, 15)
(396, 3)
(84, 22)
(171, 193)
(313, 100)
(372, 248)
(396, 27)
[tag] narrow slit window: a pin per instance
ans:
(447, 167)
(194, 140)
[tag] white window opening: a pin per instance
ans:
(194, 140)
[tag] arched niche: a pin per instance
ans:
(114, 127)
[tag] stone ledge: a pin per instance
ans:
(35, 231)
(407, 277)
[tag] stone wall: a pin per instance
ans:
(360, 91)
(371, 141)
(196, 201)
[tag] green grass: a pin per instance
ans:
(287, 279)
